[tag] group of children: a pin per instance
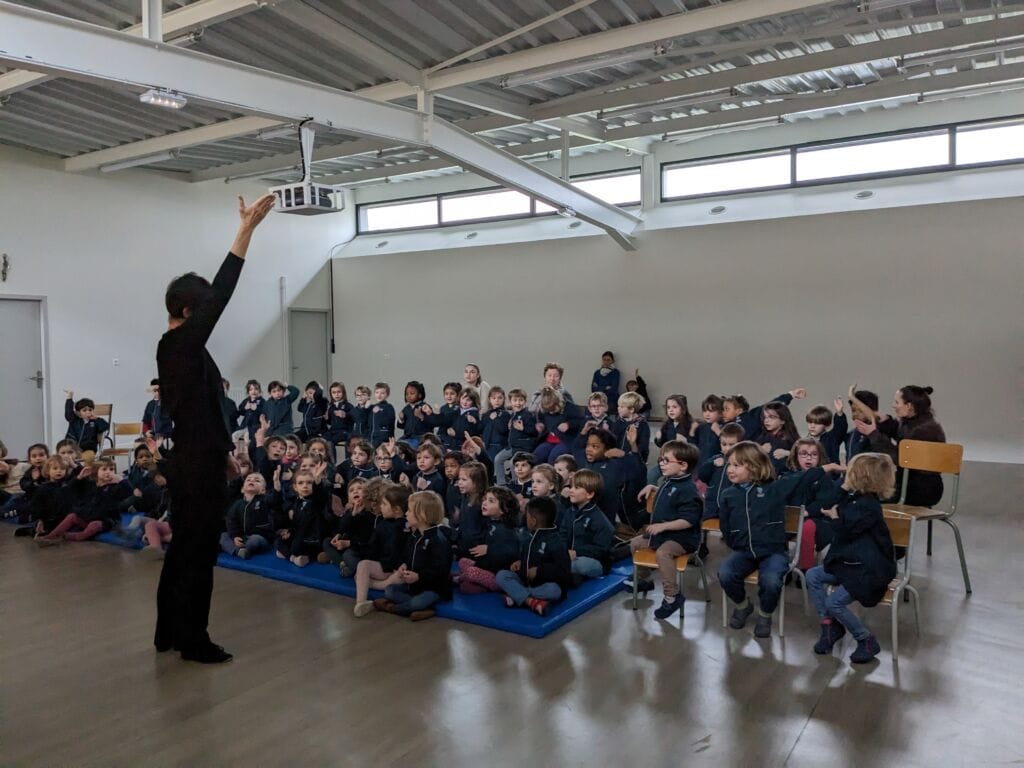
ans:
(526, 501)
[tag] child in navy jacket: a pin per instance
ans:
(543, 572)
(385, 549)
(522, 435)
(828, 429)
(83, 425)
(496, 424)
(606, 378)
(52, 499)
(467, 523)
(753, 515)
(300, 523)
(777, 434)
(313, 407)
(737, 408)
(705, 433)
(674, 529)
(443, 419)
(249, 521)
(338, 422)
(711, 470)
(678, 425)
(630, 407)
(278, 409)
(618, 471)
(558, 423)
(861, 561)
(361, 413)
(498, 547)
(249, 411)
(585, 529)
(155, 422)
(424, 576)
(97, 508)
(467, 421)
(381, 419)
(411, 420)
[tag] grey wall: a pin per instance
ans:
(928, 295)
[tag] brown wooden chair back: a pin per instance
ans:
(931, 457)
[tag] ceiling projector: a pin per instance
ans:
(307, 197)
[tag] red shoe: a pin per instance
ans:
(538, 606)
(384, 605)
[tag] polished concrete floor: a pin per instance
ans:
(311, 685)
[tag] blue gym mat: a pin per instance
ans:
(486, 610)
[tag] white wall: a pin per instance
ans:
(101, 249)
(928, 294)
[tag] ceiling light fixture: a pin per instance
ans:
(718, 209)
(864, 194)
(163, 98)
(136, 161)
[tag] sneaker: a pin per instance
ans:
(866, 650)
(667, 608)
(362, 608)
(345, 572)
(48, 541)
(740, 616)
(763, 626)
(207, 654)
(323, 558)
(831, 634)
(242, 553)
(422, 615)
(280, 554)
(538, 606)
(301, 561)
(384, 605)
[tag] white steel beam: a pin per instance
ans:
(198, 14)
(59, 46)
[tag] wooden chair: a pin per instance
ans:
(104, 411)
(131, 429)
(647, 558)
(945, 458)
(901, 529)
(795, 527)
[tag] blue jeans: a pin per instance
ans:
(511, 585)
(771, 571)
(406, 603)
(252, 544)
(502, 473)
(546, 453)
(588, 567)
(836, 604)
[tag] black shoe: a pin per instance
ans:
(25, 530)
(667, 609)
(740, 616)
(763, 626)
(867, 649)
(208, 654)
(703, 551)
(165, 647)
(831, 634)
(644, 585)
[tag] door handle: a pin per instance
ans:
(38, 379)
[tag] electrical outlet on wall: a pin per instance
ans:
(387, 355)
(116, 362)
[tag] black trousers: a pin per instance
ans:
(197, 489)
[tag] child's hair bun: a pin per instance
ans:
(928, 390)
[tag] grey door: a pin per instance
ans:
(308, 342)
(22, 387)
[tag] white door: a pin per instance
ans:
(308, 342)
(22, 388)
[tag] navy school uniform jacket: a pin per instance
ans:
(307, 518)
(822, 494)
(96, 503)
(436, 482)
(524, 439)
(251, 518)
(338, 428)
(643, 436)
(136, 476)
(862, 555)
(618, 474)
(833, 440)
(360, 420)
(155, 500)
(571, 415)
(50, 503)
(503, 543)
(249, 410)
(677, 498)
(387, 543)
(717, 483)
(412, 426)
(495, 429)
(356, 528)
(441, 420)
(468, 420)
(279, 413)
(313, 413)
(265, 466)
(85, 433)
(348, 470)
(468, 530)
(607, 422)
(588, 531)
(669, 430)
(381, 423)
(608, 383)
(521, 489)
(156, 421)
(544, 550)
(429, 555)
(753, 515)
(452, 499)
(776, 442)
(706, 440)
(751, 420)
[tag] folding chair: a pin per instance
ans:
(131, 429)
(945, 458)
(795, 527)
(647, 558)
(901, 529)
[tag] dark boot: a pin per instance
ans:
(831, 633)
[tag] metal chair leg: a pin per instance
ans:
(636, 584)
(725, 609)
(782, 610)
(704, 581)
(896, 624)
(929, 547)
(917, 609)
(960, 551)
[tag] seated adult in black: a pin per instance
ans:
(190, 385)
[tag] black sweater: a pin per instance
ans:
(429, 555)
(251, 518)
(85, 433)
(503, 543)
(387, 542)
(544, 550)
(678, 499)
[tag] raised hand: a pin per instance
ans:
(250, 216)
(422, 484)
(70, 393)
(837, 404)
(799, 393)
(865, 427)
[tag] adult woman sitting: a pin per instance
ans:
(913, 420)
(471, 377)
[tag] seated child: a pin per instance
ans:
(777, 434)
(674, 529)
(443, 419)
(712, 470)
(678, 425)
(385, 462)
(278, 408)
(313, 407)
(452, 498)
(137, 475)
(84, 427)
(31, 478)
(558, 423)
(827, 429)
(468, 420)
(598, 418)
(155, 421)
(361, 413)
(384, 551)
(807, 453)
(411, 420)
(249, 521)
(496, 423)
(299, 523)
(639, 386)
(546, 483)
(358, 464)
(522, 434)
(585, 529)
(250, 409)
(52, 499)
(705, 433)
(424, 576)
(618, 472)
(752, 514)
(605, 380)
(565, 465)
(737, 408)
(543, 572)
(522, 467)
(268, 452)
(381, 419)
(97, 507)
(861, 561)
(355, 524)
(428, 476)
(499, 545)
(467, 524)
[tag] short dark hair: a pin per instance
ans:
(524, 456)
(186, 292)
(869, 398)
(455, 386)
(919, 398)
(819, 414)
(711, 403)
(544, 509)
(733, 430)
(154, 382)
(683, 452)
(85, 402)
(606, 437)
(421, 391)
(275, 384)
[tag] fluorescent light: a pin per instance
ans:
(147, 160)
(163, 98)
